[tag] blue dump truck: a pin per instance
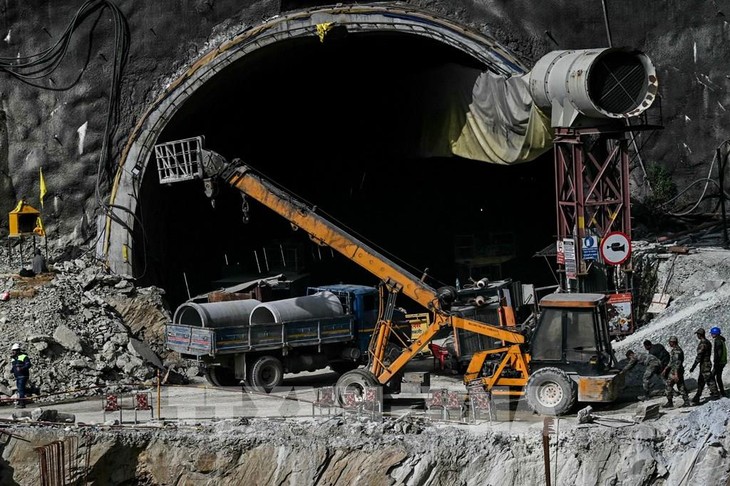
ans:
(257, 342)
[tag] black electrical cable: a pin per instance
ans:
(43, 64)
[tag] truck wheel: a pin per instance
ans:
(342, 367)
(550, 391)
(267, 373)
(355, 382)
(221, 376)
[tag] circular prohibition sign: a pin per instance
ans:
(615, 248)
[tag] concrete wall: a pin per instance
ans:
(42, 127)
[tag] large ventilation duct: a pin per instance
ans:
(596, 83)
(319, 305)
(216, 314)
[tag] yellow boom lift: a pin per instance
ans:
(567, 357)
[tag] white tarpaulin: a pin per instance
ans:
(484, 117)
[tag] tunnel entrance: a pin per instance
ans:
(341, 124)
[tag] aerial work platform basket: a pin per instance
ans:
(185, 160)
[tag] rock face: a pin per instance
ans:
(698, 285)
(676, 448)
(60, 128)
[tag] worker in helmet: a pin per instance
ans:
(719, 358)
(673, 373)
(20, 367)
(703, 359)
(653, 367)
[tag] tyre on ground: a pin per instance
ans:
(221, 376)
(266, 373)
(354, 381)
(550, 391)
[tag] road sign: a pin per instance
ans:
(590, 248)
(571, 264)
(615, 248)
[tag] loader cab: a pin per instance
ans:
(572, 335)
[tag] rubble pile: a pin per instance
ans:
(698, 283)
(82, 328)
(676, 448)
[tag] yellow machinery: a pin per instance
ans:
(24, 220)
(568, 359)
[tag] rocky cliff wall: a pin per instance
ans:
(678, 448)
(59, 125)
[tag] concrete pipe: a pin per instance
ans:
(597, 83)
(321, 304)
(216, 314)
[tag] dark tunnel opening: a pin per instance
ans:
(339, 124)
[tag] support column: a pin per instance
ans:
(592, 188)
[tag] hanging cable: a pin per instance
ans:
(41, 65)
(707, 181)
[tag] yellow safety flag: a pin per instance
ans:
(39, 230)
(43, 186)
(19, 206)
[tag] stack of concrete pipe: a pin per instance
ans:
(255, 313)
(216, 314)
(320, 305)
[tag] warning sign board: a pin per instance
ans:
(620, 314)
(560, 252)
(615, 248)
(571, 264)
(590, 248)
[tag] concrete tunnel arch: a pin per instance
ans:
(116, 245)
(239, 53)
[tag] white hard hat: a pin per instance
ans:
(15, 346)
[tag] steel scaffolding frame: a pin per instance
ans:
(591, 184)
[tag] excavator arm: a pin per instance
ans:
(326, 233)
(186, 160)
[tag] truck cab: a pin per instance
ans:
(361, 302)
